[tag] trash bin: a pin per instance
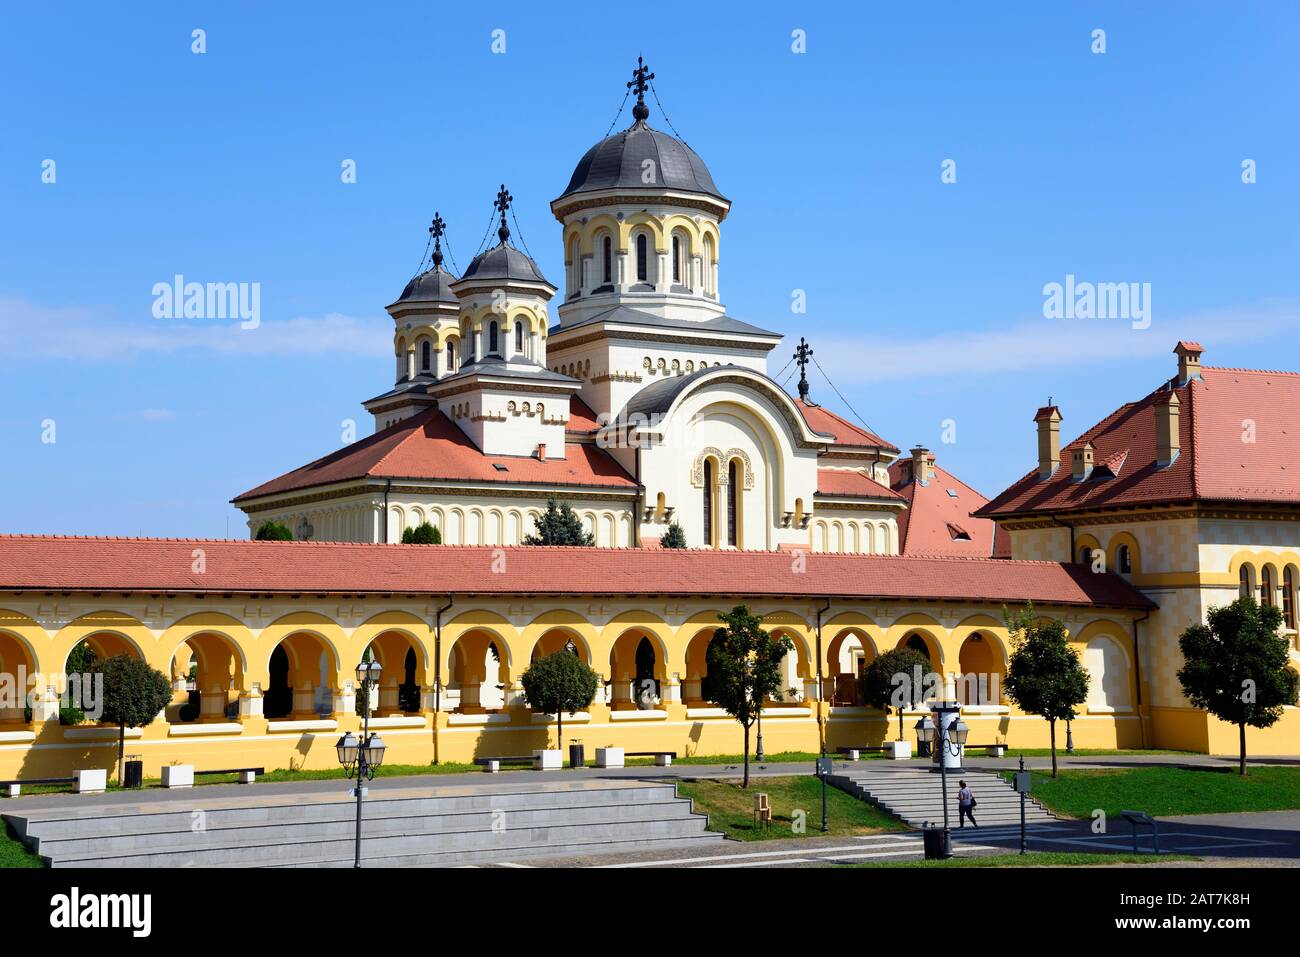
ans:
(937, 842)
(577, 756)
(133, 774)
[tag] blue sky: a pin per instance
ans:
(925, 299)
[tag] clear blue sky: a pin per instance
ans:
(924, 298)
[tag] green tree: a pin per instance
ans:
(274, 532)
(674, 537)
(1044, 676)
(896, 679)
(1236, 667)
(559, 526)
(134, 694)
(744, 663)
(559, 684)
(422, 534)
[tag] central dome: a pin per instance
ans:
(618, 162)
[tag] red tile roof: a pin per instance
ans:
(846, 433)
(430, 446)
(851, 483)
(926, 526)
(1215, 464)
(48, 563)
(581, 417)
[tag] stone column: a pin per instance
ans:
(304, 699)
(250, 702)
(410, 362)
(212, 704)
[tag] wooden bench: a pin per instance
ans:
(246, 775)
(492, 765)
(14, 788)
(663, 759)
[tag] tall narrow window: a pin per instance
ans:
(451, 356)
(575, 267)
(708, 265)
(426, 356)
(519, 336)
(493, 345)
(1243, 580)
(732, 495)
(607, 257)
(1125, 560)
(641, 259)
(708, 502)
(1266, 586)
(1288, 597)
(677, 259)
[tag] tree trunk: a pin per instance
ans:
(900, 724)
(1242, 762)
(121, 751)
(559, 733)
(1051, 724)
(745, 784)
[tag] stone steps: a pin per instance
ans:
(459, 826)
(916, 797)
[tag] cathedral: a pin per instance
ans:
(644, 406)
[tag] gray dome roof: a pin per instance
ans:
(503, 262)
(432, 285)
(616, 162)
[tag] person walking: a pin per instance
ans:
(966, 805)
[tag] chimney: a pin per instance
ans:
(1189, 367)
(541, 451)
(1081, 462)
(1049, 440)
(1166, 410)
(921, 465)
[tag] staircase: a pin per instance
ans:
(916, 795)
(402, 827)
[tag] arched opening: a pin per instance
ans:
(607, 260)
(1245, 580)
(480, 674)
(451, 355)
(560, 639)
(696, 689)
(494, 345)
(710, 484)
(519, 336)
(302, 672)
(1288, 597)
(426, 356)
(1266, 588)
(1107, 665)
(575, 267)
(207, 675)
(637, 670)
(15, 660)
(734, 478)
(678, 270)
(919, 643)
(642, 259)
(847, 656)
(982, 672)
(401, 677)
(1124, 560)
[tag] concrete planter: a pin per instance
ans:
(548, 759)
(92, 782)
(898, 750)
(609, 757)
(178, 776)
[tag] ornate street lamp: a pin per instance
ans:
(924, 736)
(360, 758)
(949, 733)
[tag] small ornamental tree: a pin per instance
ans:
(274, 532)
(674, 537)
(1044, 676)
(422, 534)
(1236, 667)
(896, 679)
(744, 663)
(559, 684)
(559, 526)
(134, 694)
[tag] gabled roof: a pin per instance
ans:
(820, 419)
(37, 563)
(429, 446)
(938, 520)
(1217, 461)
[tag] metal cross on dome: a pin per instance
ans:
(501, 204)
(436, 229)
(641, 78)
(802, 353)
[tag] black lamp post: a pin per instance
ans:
(362, 757)
(949, 738)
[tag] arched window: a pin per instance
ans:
(708, 501)
(732, 500)
(607, 260)
(426, 356)
(451, 356)
(1243, 579)
(1124, 560)
(1288, 597)
(493, 344)
(677, 258)
(1085, 555)
(1266, 596)
(708, 265)
(575, 267)
(519, 335)
(642, 259)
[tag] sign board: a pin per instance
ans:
(1023, 781)
(824, 767)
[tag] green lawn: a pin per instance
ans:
(731, 809)
(1036, 859)
(1165, 791)
(1082, 752)
(14, 853)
